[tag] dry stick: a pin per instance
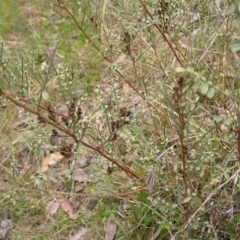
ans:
(69, 133)
(109, 61)
(163, 35)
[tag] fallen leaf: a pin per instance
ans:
(80, 175)
(51, 52)
(67, 207)
(26, 157)
(92, 203)
(5, 228)
(79, 188)
(80, 235)
(52, 206)
(50, 160)
(126, 88)
(110, 230)
(44, 227)
(75, 203)
(156, 234)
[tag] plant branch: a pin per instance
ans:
(163, 35)
(110, 61)
(185, 226)
(30, 109)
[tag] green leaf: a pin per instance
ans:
(231, 9)
(187, 199)
(196, 86)
(217, 119)
(214, 181)
(180, 69)
(235, 47)
(192, 107)
(211, 93)
(204, 88)
(226, 175)
(147, 219)
(45, 95)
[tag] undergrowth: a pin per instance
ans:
(120, 116)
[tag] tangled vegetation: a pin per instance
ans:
(119, 119)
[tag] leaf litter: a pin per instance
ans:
(80, 235)
(50, 160)
(67, 207)
(52, 206)
(110, 230)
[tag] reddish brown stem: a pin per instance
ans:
(163, 34)
(29, 108)
(109, 60)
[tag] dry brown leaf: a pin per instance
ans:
(79, 188)
(44, 227)
(52, 206)
(67, 207)
(50, 160)
(5, 228)
(91, 203)
(26, 157)
(81, 176)
(156, 234)
(110, 230)
(80, 235)
(126, 88)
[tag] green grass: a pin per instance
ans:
(165, 114)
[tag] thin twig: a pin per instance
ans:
(30, 109)
(150, 104)
(206, 200)
(163, 34)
